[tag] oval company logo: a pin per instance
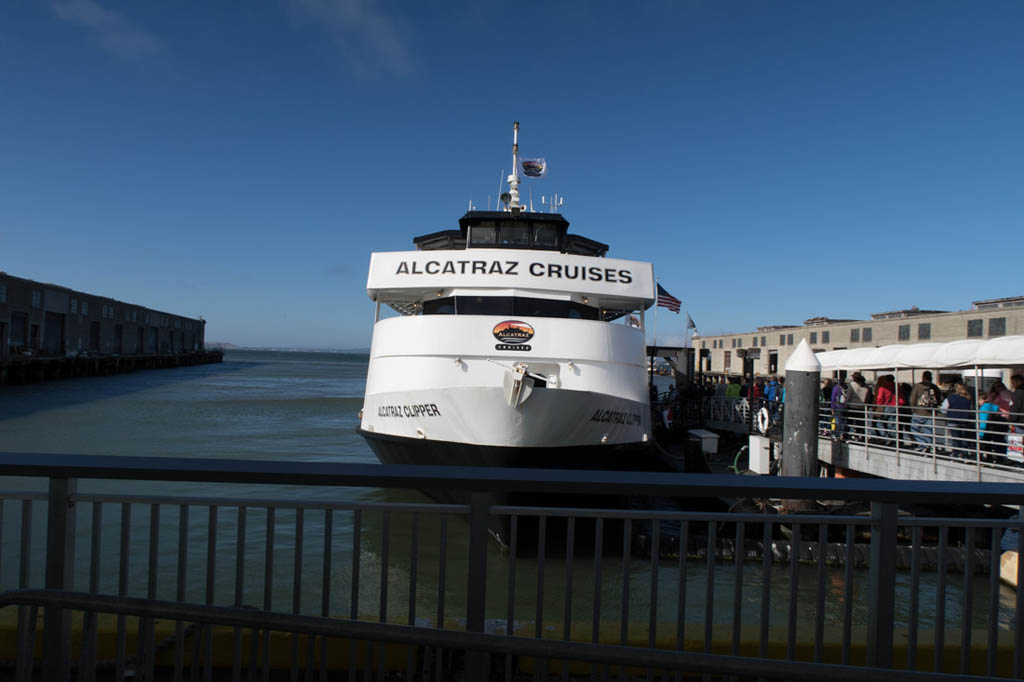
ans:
(512, 331)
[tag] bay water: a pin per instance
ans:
(303, 406)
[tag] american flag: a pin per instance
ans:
(667, 300)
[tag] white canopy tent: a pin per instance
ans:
(1005, 351)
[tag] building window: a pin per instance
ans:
(789, 339)
(74, 305)
(755, 342)
(974, 328)
(37, 299)
(703, 344)
(997, 326)
(904, 332)
(3, 293)
(855, 336)
(866, 335)
(85, 307)
(782, 339)
(764, 341)
(825, 336)
(135, 317)
(924, 330)
(814, 337)
(727, 364)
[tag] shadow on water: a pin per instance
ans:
(25, 400)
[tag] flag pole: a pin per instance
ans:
(655, 313)
(686, 329)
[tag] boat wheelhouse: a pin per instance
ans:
(516, 343)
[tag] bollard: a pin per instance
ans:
(800, 430)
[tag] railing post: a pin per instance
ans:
(60, 550)
(881, 608)
(477, 662)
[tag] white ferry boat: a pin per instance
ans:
(516, 343)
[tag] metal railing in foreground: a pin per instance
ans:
(419, 588)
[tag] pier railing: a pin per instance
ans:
(234, 584)
(744, 415)
(983, 443)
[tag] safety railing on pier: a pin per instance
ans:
(212, 586)
(985, 441)
(744, 415)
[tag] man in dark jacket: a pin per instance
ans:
(1017, 408)
(925, 399)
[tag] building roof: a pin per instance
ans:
(823, 320)
(1008, 302)
(910, 312)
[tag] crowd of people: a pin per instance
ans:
(928, 418)
(773, 388)
(924, 416)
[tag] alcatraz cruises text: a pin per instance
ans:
(511, 267)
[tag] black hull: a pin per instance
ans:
(625, 457)
(401, 450)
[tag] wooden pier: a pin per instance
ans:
(27, 369)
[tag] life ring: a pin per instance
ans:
(763, 418)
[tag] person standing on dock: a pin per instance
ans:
(885, 410)
(837, 399)
(1017, 399)
(958, 407)
(924, 399)
(858, 397)
(1017, 402)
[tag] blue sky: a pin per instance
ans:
(774, 160)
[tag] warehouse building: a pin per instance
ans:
(769, 347)
(46, 320)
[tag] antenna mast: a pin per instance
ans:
(554, 204)
(513, 180)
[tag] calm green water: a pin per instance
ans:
(300, 406)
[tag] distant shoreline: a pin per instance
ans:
(285, 349)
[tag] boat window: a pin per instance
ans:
(515, 235)
(439, 306)
(483, 236)
(484, 305)
(509, 305)
(545, 237)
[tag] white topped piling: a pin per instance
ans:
(800, 430)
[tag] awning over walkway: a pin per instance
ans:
(1005, 351)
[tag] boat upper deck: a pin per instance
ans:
(505, 230)
(507, 255)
